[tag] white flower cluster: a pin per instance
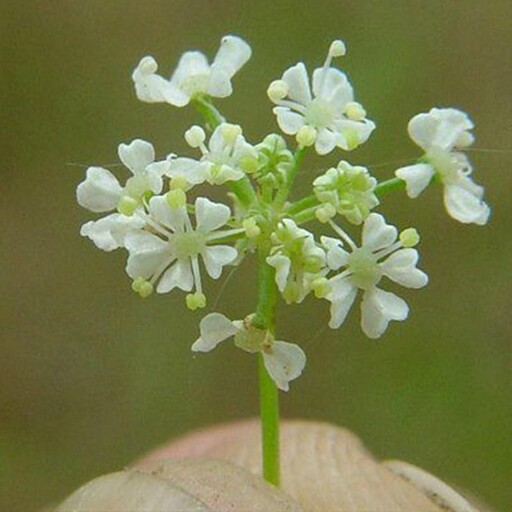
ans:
(170, 236)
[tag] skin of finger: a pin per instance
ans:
(187, 485)
(324, 467)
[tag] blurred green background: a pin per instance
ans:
(91, 376)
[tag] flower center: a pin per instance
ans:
(186, 245)
(444, 163)
(195, 83)
(365, 271)
(319, 113)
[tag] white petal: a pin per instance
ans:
(195, 172)
(219, 85)
(191, 76)
(341, 297)
(464, 205)
(150, 87)
(154, 174)
(401, 268)
(217, 142)
(100, 191)
(171, 218)
(439, 128)
(377, 234)
(223, 174)
(209, 215)
(452, 123)
(337, 257)
(137, 155)
(284, 363)
(325, 141)
(289, 122)
(214, 328)
(297, 80)
(282, 265)
(109, 232)
(332, 85)
(147, 254)
(422, 130)
(190, 63)
(216, 257)
(378, 308)
(417, 178)
(233, 53)
(178, 276)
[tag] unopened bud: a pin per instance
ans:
(252, 230)
(325, 213)
(321, 287)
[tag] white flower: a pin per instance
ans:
(349, 190)
(109, 233)
(284, 361)
(193, 76)
(102, 192)
(441, 133)
(363, 268)
(225, 158)
(167, 250)
(325, 113)
(297, 259)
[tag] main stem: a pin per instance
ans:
(269, 394)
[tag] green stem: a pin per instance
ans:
(305, 215)
(303, 204)
(269, 413)
(269, 394)
(243, 189)
(389, 185)
(210, 114)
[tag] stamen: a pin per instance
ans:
(196, 274)
(277, 91)
(155, 225)
(337, 49)
(195, 136)
(343, 235)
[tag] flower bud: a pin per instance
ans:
(252, 230)
(325, 213)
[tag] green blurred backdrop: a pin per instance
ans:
(91, 376)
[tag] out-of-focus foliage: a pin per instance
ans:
(91, 376)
